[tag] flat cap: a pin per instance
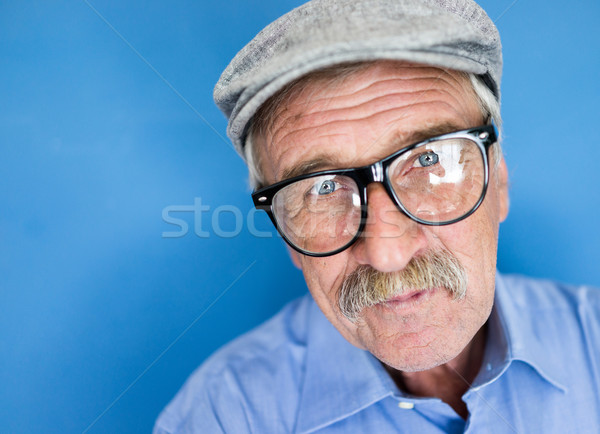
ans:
(451, 34)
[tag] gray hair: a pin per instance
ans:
(487, 102)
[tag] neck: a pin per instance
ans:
(448, 381)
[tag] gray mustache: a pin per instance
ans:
(366, 287)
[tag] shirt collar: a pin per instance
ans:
(524, 333)
(340, 379)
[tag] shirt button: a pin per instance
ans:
(406, 405)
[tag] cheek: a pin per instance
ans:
(477, 253)
(474, 242)
(323, 277)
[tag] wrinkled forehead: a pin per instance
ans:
(307, 120)
(319, 87)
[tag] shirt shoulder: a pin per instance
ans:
(552, 331)
(544, 294)
(553, 325)
(242, 381)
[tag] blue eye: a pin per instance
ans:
(428, 159)
(327, 187)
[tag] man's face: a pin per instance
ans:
(371, 114)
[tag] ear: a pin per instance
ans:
(502, 185)
(295, 256)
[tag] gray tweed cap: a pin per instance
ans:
(453, 34)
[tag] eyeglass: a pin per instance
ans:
(436, 182)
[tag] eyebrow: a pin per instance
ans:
(324, 162)
(427, 133)
(309, 166)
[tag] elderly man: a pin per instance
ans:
(368, 128)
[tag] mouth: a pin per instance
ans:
(409, 299)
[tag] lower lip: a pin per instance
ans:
(408, 300)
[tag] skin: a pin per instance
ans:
(432, 345)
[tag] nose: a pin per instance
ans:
(390, 238)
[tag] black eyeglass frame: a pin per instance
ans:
(484, 136)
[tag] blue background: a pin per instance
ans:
(102, 316)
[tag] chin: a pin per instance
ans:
(420, 351)
(418, 364)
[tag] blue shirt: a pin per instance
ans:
(297, 374)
